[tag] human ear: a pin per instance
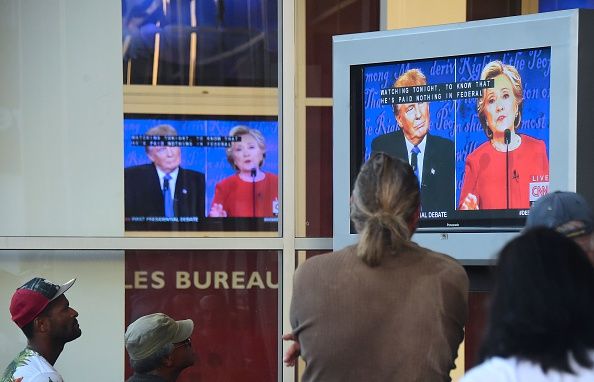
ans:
(41, 324)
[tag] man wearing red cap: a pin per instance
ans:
(41, 310)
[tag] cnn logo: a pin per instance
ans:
(538, 189)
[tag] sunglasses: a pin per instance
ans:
(185, 343)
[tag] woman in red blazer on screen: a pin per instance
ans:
(500, 109)
(251, 192)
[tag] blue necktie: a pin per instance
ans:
(167, 197)
(414, 160)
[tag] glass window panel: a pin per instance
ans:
(480, 10)
(475, 327)
(319, 171)
(481, 285)
(232, 297)
(208, 43)
(325, 18)
(201, 175)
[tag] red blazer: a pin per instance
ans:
(484, 174)
(237, 196)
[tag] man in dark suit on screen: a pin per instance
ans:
(163, 188)
(431, 157)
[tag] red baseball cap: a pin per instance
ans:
(30, 299)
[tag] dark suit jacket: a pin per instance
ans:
(143, 195)
(437, 190)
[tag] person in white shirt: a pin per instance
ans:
(540, 325)
(42, 311)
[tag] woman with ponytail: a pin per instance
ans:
(384, 309)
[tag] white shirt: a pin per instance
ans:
(420, 156)
(31, 367)
(499, 369)
(172, 181)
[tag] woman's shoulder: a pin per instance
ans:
(229, 181)
(531, 141)
(270, 177)
(484, 148)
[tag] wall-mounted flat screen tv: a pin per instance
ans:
(201, 173)
(490, 114)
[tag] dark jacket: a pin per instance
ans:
(143, 196)
(438, 188)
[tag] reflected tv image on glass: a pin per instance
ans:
(475, 129)
(204, 43)
(200, 173)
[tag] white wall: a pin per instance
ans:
(61, 168)
(61, 108)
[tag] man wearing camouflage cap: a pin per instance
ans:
(159, 348)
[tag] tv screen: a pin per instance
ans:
(200, 173)
(474, 127)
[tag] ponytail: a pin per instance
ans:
(385, 197)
